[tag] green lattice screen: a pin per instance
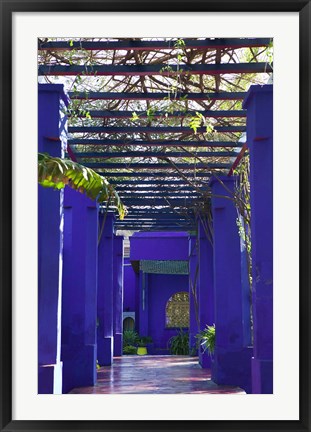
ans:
(164, 267)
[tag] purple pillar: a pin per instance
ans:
(51, 137)
(232, 360)
(137, 299)
(118, 295)
(246, 293)
(143, 321)
(193, 292)
(105, 290)
(206, 285)
(79, 304)
(259, 105)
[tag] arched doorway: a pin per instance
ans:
(128, 324)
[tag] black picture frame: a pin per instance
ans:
(8, 7)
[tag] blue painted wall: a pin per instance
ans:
(159, 246)
(129, 301)
(150, 306)
(160, 289)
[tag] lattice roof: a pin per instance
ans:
(157, 117)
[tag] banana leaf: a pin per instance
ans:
(57, 173)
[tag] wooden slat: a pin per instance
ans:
(151, 129)
(156, 143)
(153, 45)
(156, 96)
(161, 114)
(157, 166)
(154, 69)
(149, 154)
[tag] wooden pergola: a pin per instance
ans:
(157, 118)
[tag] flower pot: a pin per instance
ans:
(141, 351)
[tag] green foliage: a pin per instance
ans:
(57, 173)
(179, 344)
(135, 117)
(199, 120)
(180, 43)
(144, 341)
(206, 338)
(130, 337)
(196, 121)
(167, 69)
(74, 110)
(129, 350)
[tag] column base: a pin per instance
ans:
(117, 344)
(262, 376)
(50, 379)
(79, 366)
(233, 368)
(105, 351)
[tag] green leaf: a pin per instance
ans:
(57, 173)
(134, 116)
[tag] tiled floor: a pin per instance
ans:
(155, 375)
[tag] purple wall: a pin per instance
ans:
(160, 289)
(159, 246)
(206, 285)
(117, 295)
(152, 291)
(193, 281)
(49, 242)
(105, 291)
(129, 301)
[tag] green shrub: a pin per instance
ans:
(129, 349)
(179, 344)
(130, 337)
(206, 338)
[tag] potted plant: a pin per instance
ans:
(142, 343)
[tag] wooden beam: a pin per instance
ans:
(157, 143)
(238, 159)
(164, 175)
(149, 154)
(157, 166)
(139, 45)
(150, 129)
(156, 96)
(189, 195)
(154, 69)
(156, 228)
(161, 114)
(159, 201)
(156, 182)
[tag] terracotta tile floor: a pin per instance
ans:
(155, 375)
